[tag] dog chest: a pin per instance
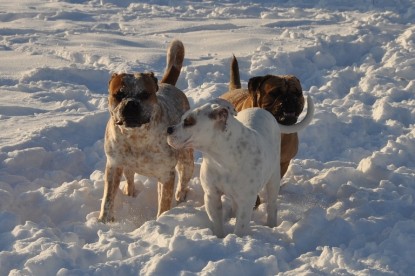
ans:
(144, 154)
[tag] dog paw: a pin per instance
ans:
(105, 219)
(181, 195)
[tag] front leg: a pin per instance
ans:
(243, 217)
(213, 206)
(165, 193)
(112, 182)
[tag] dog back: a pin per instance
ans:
(263, 123)
(174, 102)
(266, 134)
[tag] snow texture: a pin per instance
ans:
(347, 202)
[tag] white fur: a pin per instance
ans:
(241, 155)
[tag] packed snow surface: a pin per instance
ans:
(346, 206)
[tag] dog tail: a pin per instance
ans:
(175, 57)
(235, 81)
(305, 122)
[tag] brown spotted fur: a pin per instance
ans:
(143, 148)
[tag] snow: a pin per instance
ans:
(347, 202)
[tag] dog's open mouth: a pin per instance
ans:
(130, 123)
(286, 118)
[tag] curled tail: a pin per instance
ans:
(305, 122)
(235, 80)
(175, 57)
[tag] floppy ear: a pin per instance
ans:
(112, 77)
(149, 79)
(226, 104)
(253, 87)
(220, 114)
(151, 74)
(115, 82)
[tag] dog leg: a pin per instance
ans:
(272, 188)
(129, 189)
(185, 166)
(243, 217)
(213, 206)
(229, 208)
(289, 148)
(112, 182)
(284, 168)
(165, 194)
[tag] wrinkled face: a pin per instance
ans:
(132, 98)
(280, 95)
(200, 126)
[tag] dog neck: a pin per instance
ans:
(217, 152)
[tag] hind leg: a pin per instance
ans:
(185, 167)
(272, 188)
(129, 189)
(284, 167)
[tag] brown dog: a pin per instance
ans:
(280, 95)
(136, 136)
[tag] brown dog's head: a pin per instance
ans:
(280, 95)
(132, 98)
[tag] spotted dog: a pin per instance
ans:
(240, 157)
(136, 138)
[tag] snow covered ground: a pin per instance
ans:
(347, 204)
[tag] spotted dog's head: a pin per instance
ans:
(280, 95)
(132, 98)
(199, 127)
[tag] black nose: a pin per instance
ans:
(170, 130)
(131, 109)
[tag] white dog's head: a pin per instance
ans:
(199, 127)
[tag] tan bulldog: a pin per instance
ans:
(136, 137)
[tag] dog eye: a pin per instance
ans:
(119, 96)
(298, 93)
(274, 93)
(144, 95)
(189, 121)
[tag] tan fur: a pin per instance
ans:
(136, 134)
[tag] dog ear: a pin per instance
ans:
(149, 79)
(151, 74)
(115, 82)
(220, 115)
(253, 89)
(112, 77)
(226, 104)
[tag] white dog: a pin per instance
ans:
(240, 156)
